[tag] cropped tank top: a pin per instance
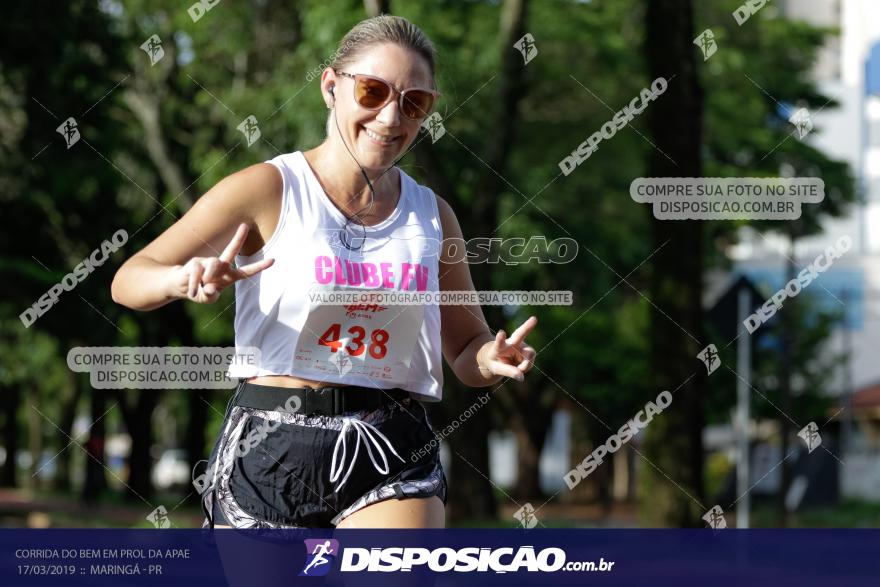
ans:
(382, 345)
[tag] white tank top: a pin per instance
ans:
(382, 346)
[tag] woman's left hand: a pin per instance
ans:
(508, 357)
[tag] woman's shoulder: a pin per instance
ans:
(251, 188)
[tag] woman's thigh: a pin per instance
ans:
(413, 512)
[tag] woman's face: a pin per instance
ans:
(391, 131)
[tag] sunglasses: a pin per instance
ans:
(373, 93)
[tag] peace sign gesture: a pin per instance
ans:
(509, 357)
(203, 278)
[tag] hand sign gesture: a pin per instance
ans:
(203, 278)
(509, 357)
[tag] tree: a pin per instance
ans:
(674, 442)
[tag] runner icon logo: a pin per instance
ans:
(320, 554)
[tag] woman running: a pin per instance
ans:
(328, 425)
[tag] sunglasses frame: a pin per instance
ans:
(400, 93)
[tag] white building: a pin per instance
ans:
(851, 133)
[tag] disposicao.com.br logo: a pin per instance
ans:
(445, 559)
(322, 552)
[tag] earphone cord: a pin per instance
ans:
(356, 215)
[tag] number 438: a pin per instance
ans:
(376, 348)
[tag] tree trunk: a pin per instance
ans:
(96, 482)
(11, 402)
(673, 441)
(62, 482)
(34, 435)
(139, 425)
(195, 427)
(583, 441)
(530, 423)
(530, 442)
(604, 477)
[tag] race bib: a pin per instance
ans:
(369, 340)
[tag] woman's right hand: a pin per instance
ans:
(203, 278)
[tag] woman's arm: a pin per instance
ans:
(477, 357)
(193, 258)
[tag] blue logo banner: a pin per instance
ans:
(263, 558)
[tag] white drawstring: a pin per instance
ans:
(366, 430)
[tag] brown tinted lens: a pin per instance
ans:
(417, 104)
(372, 93)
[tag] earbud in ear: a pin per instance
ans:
(332, 92)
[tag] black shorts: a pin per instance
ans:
(273, 469)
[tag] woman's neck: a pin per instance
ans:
(345, 185)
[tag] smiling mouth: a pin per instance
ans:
(378, 138)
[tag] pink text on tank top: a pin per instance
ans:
(344, 272)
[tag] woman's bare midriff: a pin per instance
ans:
(291, 381)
